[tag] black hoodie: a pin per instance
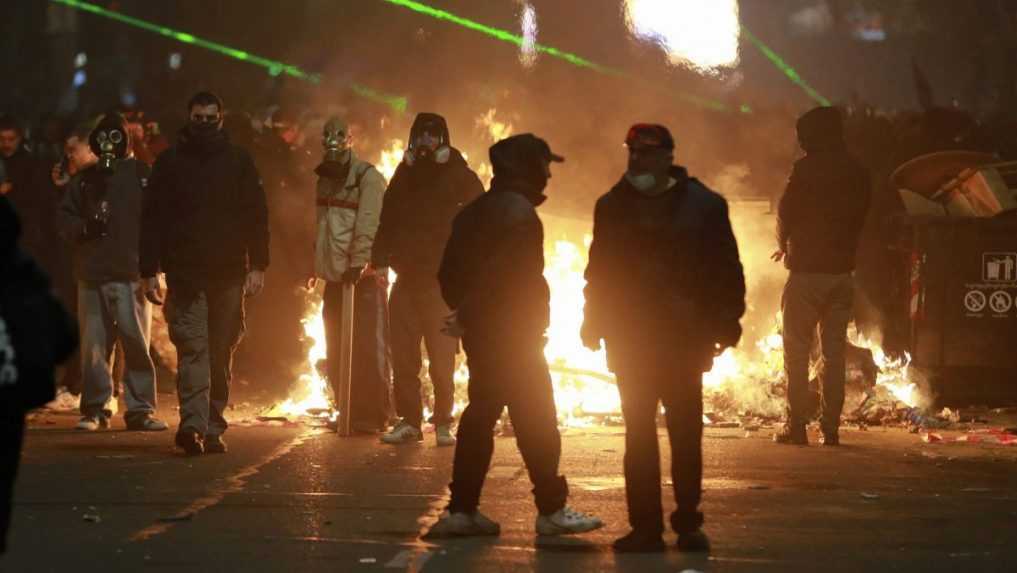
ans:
(36, 333)
(204, 219)
(823, 209)
(420, 203)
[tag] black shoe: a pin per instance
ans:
(694, 542)
(639, 542)
(214, 444)
(190, 443)
(830, 439)
(793, 435)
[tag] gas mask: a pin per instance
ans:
(430, 148)
(109, 144)
(336, 141)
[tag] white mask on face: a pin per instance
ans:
(642, 182)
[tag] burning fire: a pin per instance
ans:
(312, 393)
(742, 380)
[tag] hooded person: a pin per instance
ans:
(100, 216)
(491, 276)
(36, 334)
(819, 222)
(665, 293)
(349, 199)
(428, 189)
(204, 223)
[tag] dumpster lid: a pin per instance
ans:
(925, 175)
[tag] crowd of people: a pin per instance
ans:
(126, 221)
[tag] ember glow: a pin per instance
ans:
(701, 34)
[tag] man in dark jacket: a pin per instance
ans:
(100, 215)
(820, 219)
(36, 334)
(204, 224)
(491, 275)
(665, 292)
(28, 188)
(426, 192)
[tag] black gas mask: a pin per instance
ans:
(337, 144)
(429, 146)
(109, 142)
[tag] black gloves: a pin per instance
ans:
(352, 275)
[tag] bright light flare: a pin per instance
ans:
(700, 34)
(528, 48)
(390, 158)
(312, 392)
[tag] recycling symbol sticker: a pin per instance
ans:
(975, 301)
(1000, 302)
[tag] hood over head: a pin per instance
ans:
(433, 123)
(821, 129)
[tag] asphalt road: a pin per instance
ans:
(304, 500)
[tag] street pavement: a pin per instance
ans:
(301, 499)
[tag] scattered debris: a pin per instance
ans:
(368, 560)
(91, 518)
(867, 495)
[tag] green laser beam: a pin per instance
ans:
(786, 68)
(500, 34)
(518, 40)
(274, 67)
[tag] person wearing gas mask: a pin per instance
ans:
(491, 276)
(205, 225)
(349, 200)
(666, 293)
(427, 191)
(100, 215)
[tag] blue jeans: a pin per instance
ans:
(109, 312)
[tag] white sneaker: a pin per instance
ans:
(92, 423)
(567, 521)
(444, 437)
(463, 525)
(403, 433)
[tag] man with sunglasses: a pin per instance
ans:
(205, 225)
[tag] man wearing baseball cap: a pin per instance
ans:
(492, 278)
(665, 293)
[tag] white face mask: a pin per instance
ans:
(642, 182)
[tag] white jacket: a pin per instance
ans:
(348, 217)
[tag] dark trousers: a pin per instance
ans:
(418, 313)
(206, 326)
(12, 433)
(504, 373)
(642, 391)
(369, 387)
(812, 300)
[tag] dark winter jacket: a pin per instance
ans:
(492, 270)
(664, 278)
(823, 210)
(204, 218)
(416, 217)
(36, 333)
(113, 257)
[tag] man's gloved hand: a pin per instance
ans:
(452, 327)
(255, 283)
(381, 275)
(352, 275)
(591, 337)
